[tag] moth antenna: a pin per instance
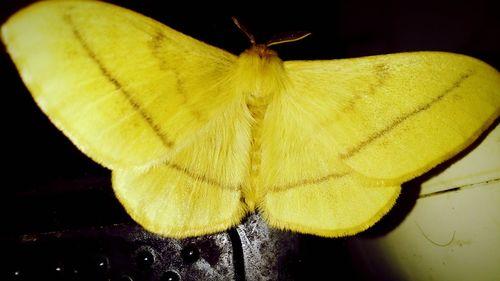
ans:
(287, 37)
(244, 30)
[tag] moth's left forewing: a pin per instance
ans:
(393, 117)
(117, 82)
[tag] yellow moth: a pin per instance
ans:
(197, 137)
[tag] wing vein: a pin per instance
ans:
(199, 177)
(308, 182)
(106, 73)
(377, 135)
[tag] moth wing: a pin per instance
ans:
(303, 183)
(198, 190)
(127, 90)
(344, 136)
(393, 117)
(331, 208)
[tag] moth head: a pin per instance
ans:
(262, 50)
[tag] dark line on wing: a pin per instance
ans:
(307, 182)
(198, 177)
(373, 137)
(156, 42)
(156, 129)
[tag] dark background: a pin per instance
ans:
(48, 184)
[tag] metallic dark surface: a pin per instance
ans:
(116, 252)
(251, 251)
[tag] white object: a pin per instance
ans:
(452, 232)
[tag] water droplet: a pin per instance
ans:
(170, 276)
(190, 253)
